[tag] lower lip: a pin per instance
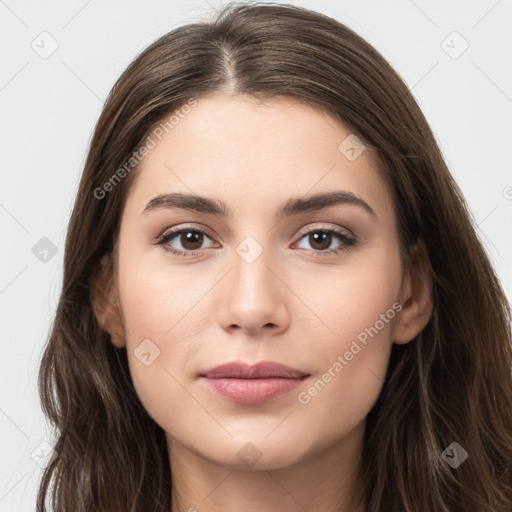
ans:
(252, 391)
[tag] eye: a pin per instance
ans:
(190, 239)
(321, 239)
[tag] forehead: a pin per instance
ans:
(253, 154)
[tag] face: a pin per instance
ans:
(315, 286)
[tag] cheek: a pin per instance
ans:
(156, 304)
(156, 299)
(357, 298)
(353, 342)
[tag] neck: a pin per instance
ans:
(330, 480)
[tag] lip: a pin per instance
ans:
(261, 370)
(256, 384)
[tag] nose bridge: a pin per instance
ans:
(252, 295)
(251, 277)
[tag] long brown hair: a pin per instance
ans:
(452, 383)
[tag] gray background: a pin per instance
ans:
(49, 106)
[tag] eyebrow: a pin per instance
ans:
(293, 206)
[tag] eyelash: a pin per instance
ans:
(347, 241)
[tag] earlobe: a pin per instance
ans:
(104, 300)
(415, 296)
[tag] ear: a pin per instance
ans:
(104, 300)
(415, 296)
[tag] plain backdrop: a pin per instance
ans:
(455, 56)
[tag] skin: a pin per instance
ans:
(287, 306)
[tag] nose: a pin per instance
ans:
(253, 297)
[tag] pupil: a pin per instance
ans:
(319, 235)
(192, 237)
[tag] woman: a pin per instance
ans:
(274, 297)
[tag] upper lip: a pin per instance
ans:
(261, 370)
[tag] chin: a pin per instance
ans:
(253, 454)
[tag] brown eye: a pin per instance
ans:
(191, 240)
(183, 241)
(320, 240)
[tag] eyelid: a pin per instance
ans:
(327, 227)
(181, 227)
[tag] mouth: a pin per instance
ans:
(257, 384)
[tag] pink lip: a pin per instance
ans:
(256, 384)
